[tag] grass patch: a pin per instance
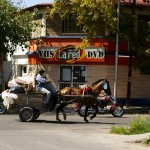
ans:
(139, 124)
(119, 130)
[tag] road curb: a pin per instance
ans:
(137, 110)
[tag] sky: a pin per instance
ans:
(29, 3)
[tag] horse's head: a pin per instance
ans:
(99, 86)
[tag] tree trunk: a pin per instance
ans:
(130, 60)
(2, 72)
(129, 79)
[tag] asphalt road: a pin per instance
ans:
(72, 134)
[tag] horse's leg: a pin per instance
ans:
(85, 115)
(96, 111)
(57, 112)
(62, 110)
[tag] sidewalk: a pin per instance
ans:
(137, 110)
(124, 142)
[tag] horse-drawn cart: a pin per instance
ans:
(28, 106)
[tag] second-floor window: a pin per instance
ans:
(69, 25)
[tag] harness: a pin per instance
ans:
(85, 90)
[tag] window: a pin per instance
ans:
(65, 73)
(23, 70)
(72, 76)
(70, 26)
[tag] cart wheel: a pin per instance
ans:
(26, 114)
(36, 113)
(2, 108)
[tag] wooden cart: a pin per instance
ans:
(28, 106)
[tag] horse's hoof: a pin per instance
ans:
(86, 121)
(65, 117)
(58, 120)
(91, 118)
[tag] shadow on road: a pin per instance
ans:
(72, 122)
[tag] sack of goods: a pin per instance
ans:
(23, 84)
(8, 98)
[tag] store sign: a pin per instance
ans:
(70, 54)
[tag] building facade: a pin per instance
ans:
(55, 47)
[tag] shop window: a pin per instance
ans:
(79, 74)
(65, 73)
(70, 26)
(72, 76)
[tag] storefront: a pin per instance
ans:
(68, 65)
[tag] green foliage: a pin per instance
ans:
(15, 26)
(99, 15)
(126, 25)
(93, 15)
(139, 124)
(142, 46)
(119, 130)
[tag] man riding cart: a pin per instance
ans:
(30, 95)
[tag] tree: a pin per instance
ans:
(96, 15)
(93, 15)
(15, 28)
(139, 43)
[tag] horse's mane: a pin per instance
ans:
(97, 82)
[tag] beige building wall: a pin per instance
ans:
(52, 72)
(96, 72)
(140, 84)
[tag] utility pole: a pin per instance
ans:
(117, 49)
